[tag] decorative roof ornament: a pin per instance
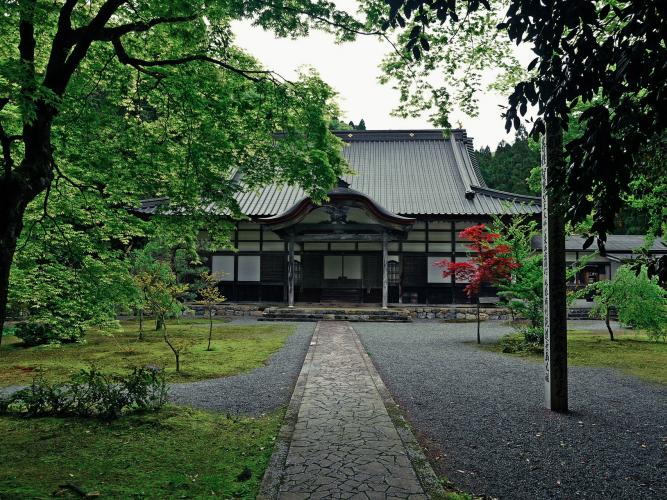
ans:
(340, 183)
(337, 214)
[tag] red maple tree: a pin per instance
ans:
(489, 262)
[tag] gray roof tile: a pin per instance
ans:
(410, 173)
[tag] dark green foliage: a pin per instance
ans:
(638, 300)
(48, 330)
(103, 104)
(526, 340)
(336, 124)
(90, 393)
(508, 168)
(533, 335)
(607, 55)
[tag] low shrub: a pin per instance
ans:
(91, 393)
(533, 334)
(40, 331)
(526, 340)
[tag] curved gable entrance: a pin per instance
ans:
(336, 269)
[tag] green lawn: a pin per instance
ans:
(175, 453)
(632, 353)
(236, 348)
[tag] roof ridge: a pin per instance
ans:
(507, 195)
(401, 135)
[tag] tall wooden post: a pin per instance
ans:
(385, 273)
(290, 272)
(553, 248)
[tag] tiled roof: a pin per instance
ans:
(617, 243)
(417, 172)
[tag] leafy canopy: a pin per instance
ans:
(609, 55)
(638, 300)
(105, 103)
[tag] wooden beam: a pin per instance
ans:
(290, 272)
(553, 248)
(338, 237)
(385, 275)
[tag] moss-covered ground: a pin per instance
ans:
(235, 348)
(633, 353)
(174, 453)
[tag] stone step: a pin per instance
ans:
(333, 314)
(342, 318)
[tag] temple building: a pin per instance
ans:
(376, 239)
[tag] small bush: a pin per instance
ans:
(526, 340)
(90, 393)
(533, 335)
(40, 331)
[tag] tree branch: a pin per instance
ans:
(61, 66)
(142, 64)
(6, 143)
(108, 34)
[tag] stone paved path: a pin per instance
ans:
(344, 443)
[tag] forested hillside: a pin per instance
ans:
(509, 166)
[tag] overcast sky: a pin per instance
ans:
(352, 69)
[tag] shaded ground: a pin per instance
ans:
(255, 392)
(632, 353)
(174, 453)
(485, 411)
(177, 452)
(236, 348)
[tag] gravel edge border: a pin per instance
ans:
(427, 477)
(274, 471)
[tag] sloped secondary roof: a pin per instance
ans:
(617, 243)
(418, 172)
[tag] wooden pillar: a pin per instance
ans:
(385, 274)
(553, 248)
(290, 272)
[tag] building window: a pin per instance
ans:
(393, 270)
(315, 246)
(439, 236)
(417, 235)
(439, 247)
(248, 246)
(222, 266)
(414, 247)
(249, 268)
(273, 246)
(435, 272)
(342, 246)
(270, 236)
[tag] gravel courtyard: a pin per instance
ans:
(485, 413)
(256, 392)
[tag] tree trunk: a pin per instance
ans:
(159, 324)
(607, 321)
(12, 208)
(479, 341)
(176, 352)
(141, 324)
(210, 328)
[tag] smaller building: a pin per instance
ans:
(620, 248)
